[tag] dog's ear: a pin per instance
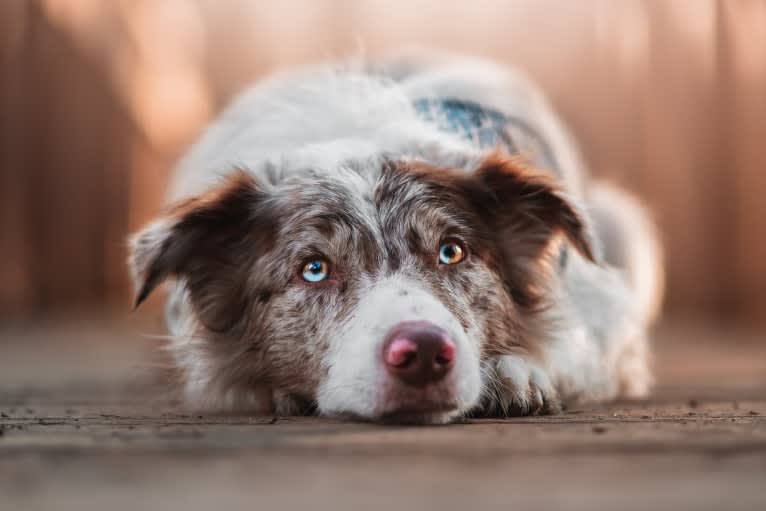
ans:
(199, 239)
(527, 212)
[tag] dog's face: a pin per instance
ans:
(376, 291)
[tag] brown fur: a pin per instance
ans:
(238, 249)
(522, 211)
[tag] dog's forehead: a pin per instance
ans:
(375, 214)
(328, 203)
(380, 198)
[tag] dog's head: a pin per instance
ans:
(374, 291)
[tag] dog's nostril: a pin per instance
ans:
(447, 353)
(401, 352)
(418, 353)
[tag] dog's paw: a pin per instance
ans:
(519, 386)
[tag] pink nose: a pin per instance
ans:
(418, 352)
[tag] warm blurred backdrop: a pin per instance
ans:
(99, 98)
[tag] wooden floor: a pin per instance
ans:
(80, 431)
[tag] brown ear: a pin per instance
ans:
(527, 212)
(198, 239)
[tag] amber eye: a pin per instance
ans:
(451, 253)
(315, 271)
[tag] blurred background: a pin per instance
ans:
(99, 98)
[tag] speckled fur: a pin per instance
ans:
(334, 163)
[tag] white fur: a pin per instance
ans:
(356, 379)
(323, 116)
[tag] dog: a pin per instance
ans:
(413, 240)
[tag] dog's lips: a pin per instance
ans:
(430, 404)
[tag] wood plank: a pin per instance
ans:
(77, 431)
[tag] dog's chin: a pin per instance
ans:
(436, 415)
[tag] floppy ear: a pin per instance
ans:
(203, 240)
(527, 212)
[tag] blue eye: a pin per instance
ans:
(315, 271)
(451, 252)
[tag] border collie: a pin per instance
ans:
(410, 240)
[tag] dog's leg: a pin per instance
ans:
(631, 244)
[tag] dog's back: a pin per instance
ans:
(354, 109)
